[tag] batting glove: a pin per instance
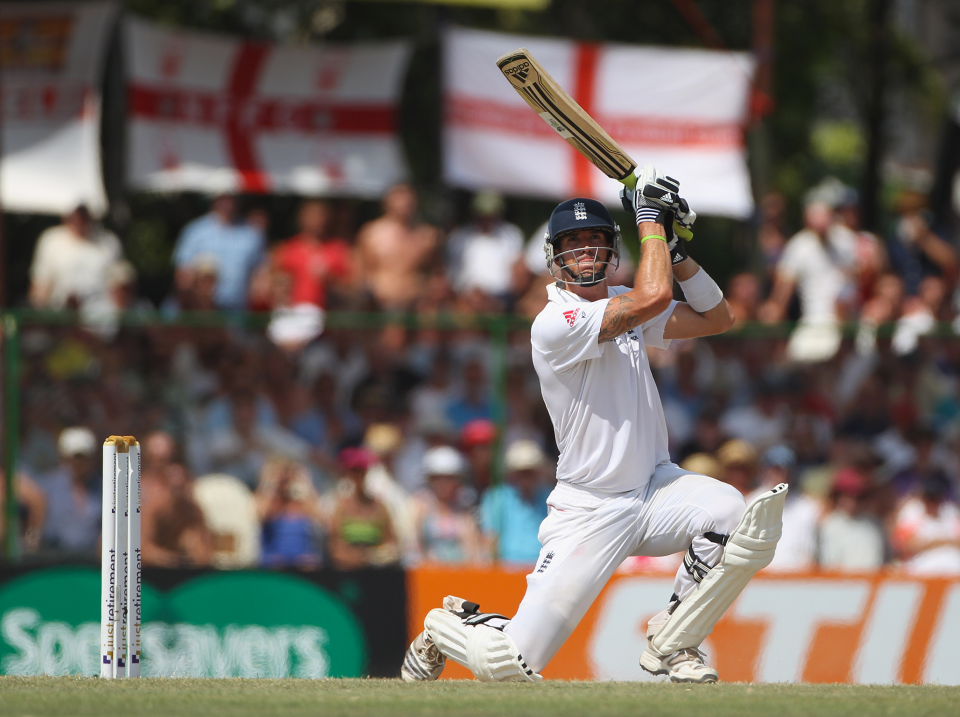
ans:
(655, 191)
(685, 215)
(676, 235)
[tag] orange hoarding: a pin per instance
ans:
(871, 629)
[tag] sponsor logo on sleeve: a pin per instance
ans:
(571, 316)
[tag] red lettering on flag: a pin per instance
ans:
(571, 316)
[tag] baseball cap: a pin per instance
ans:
(77, 441)
(434, 424)
(524, 455)
(850, 482)
(478, 432)
(488, 203)
(382, 438)
(296, 325)
(736, 452)
(780, 456)
(704, 464)
(357, 458)
(442, 461)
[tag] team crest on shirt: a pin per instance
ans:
(571, 316)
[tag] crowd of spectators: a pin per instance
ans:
(303, 446)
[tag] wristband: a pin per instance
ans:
(701, 292)
(652, 236)
(647, 213)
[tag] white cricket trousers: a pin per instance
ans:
(586, 535)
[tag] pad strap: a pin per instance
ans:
(468, 608)
(469, 613)
(695, 566)
(485, 617)
(716, 538)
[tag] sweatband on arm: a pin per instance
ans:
(648, 214)
(701, 292)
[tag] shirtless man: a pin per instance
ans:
(393, 251)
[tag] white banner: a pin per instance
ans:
(682, 110)
(51, 56)
(214, 114)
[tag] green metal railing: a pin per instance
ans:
(11, 434)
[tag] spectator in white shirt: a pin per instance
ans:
(927, 530)
(71, 263)
(797, 549)
(819, 262)
(481, 255)
(849, 538)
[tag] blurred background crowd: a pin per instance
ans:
(347, 381)
(303, 445)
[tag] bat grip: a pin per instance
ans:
(630, 181)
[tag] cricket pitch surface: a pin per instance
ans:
(41, 696)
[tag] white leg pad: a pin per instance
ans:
(490, 654)
(750, 549)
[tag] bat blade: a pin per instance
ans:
(559, 110)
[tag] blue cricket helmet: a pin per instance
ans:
(573, 215)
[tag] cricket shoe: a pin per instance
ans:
(423, 661)
(684, 665)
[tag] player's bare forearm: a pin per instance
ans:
(687, 323)
(685, 269)
(651, 293)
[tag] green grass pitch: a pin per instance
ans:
(41, 696)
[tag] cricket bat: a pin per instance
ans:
(559, 110)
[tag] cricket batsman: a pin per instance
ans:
(617, 492)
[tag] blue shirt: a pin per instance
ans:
(515, 521)
(73, 521)
(460, 412)
(288, 540)
(237, 249)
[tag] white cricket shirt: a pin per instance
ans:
(820, 270)
(602, 398)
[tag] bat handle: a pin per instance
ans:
(630, 181)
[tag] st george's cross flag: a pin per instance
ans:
(679, 109)
(51, 59)
(216, 113)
